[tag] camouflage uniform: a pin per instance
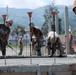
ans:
(4, 35)
(51, 45)
(38, 46)
(20, 43)
(4, 32)
(39, 38)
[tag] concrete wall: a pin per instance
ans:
(39, 70)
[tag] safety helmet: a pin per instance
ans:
(9, 21)
(69, 30)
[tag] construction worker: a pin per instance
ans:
(20, 43)
(53, 43)
(35, 31)
(4, 35)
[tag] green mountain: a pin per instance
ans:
(20, 16)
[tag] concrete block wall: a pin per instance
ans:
(66, 69)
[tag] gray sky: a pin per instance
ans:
(32, 4)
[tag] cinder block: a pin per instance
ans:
(62, 73)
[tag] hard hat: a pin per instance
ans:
(9, 21)
(69, 30)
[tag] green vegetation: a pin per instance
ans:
(20, 17)
(48, 15)
(19, 30)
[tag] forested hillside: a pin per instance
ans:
(20, 16)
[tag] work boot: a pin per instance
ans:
(38, 53)
(60, 55)
(51, 55)
(20, 54)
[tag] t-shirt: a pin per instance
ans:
(4, 31)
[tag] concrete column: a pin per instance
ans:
(49, 71)
(38, 70)
(66, 22)
(49, 25)
(56, 23)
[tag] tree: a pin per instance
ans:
(19, 30)
(47, 15)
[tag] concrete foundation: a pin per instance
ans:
(39, 70)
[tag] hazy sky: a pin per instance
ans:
(32, 4)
